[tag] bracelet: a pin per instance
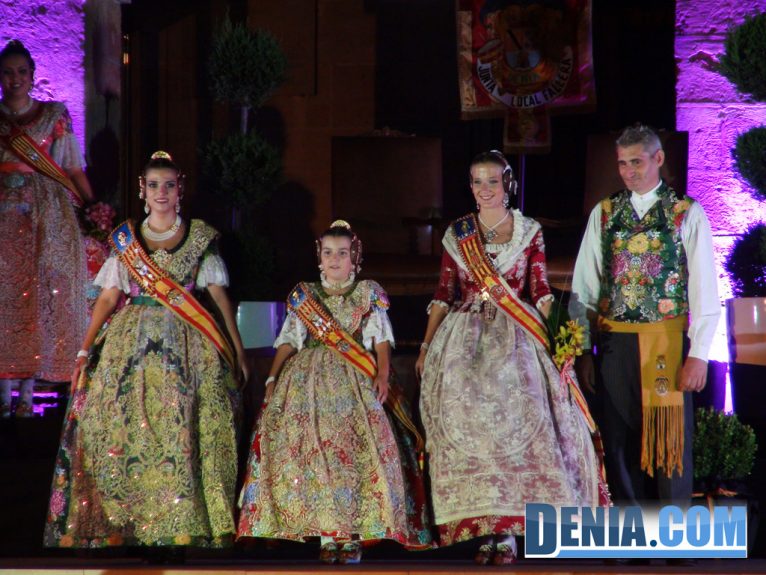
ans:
(270, 379)
(425, 345)
(82, 353)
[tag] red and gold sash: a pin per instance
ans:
(496, 289)
(323, 327)
(156, 283)
(25, 147)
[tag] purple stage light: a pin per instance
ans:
(54, 32)
(714, 113)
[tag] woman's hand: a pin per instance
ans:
(244, 368)
(380, 384)
(420, 363)
(78, 367)
(270, 384)
(545, 308)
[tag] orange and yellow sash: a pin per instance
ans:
(496, 289)
(25, 147)
(494, 286)
(156, 283)
(322, 326)
(325, 329)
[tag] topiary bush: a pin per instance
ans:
(746, 263)
(750, 158)
(724, 448)
(242, 169)
(245, 66)
(743, 62)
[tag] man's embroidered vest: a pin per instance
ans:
(645, 269)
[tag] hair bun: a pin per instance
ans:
(340, 224)
(15, 43)
(161, 155)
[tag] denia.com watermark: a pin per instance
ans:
(636, 532)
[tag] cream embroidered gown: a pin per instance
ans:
(501, 429)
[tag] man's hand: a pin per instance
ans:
(586, 373)
(693, 375)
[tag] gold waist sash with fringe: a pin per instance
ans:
(660, 347)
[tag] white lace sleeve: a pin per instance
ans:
(65, 149)
(377, 329)
(440, 303)
(212, 271)
(66, 152)
(293, 332)
(543, 300)
(113, 274)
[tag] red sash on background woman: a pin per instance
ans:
(27, 149)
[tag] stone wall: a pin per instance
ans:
(714, 113)
(54, 32)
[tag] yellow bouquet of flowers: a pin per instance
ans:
(567, 343)
(565, 335)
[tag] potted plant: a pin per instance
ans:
(743, 64)
(243, 169)
(724, 452)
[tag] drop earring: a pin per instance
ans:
(178, 206)
(142, 193)
(506, 200)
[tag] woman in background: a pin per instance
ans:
(42, 295)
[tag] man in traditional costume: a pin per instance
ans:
(645, 281)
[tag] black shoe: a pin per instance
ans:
(681, 562)
(174, 555)
(626, 562)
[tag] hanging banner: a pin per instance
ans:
(523, 59)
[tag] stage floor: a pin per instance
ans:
(27, 566)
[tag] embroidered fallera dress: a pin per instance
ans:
(501, 429)
(42, 261)
(149, 449)
(326, 458)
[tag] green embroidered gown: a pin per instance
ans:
(149, 450)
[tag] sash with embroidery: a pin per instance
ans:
(155, 282)
(25, 147)
(322, 326)
(660, 347)
(494, 288)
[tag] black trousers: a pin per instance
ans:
(621, 417)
